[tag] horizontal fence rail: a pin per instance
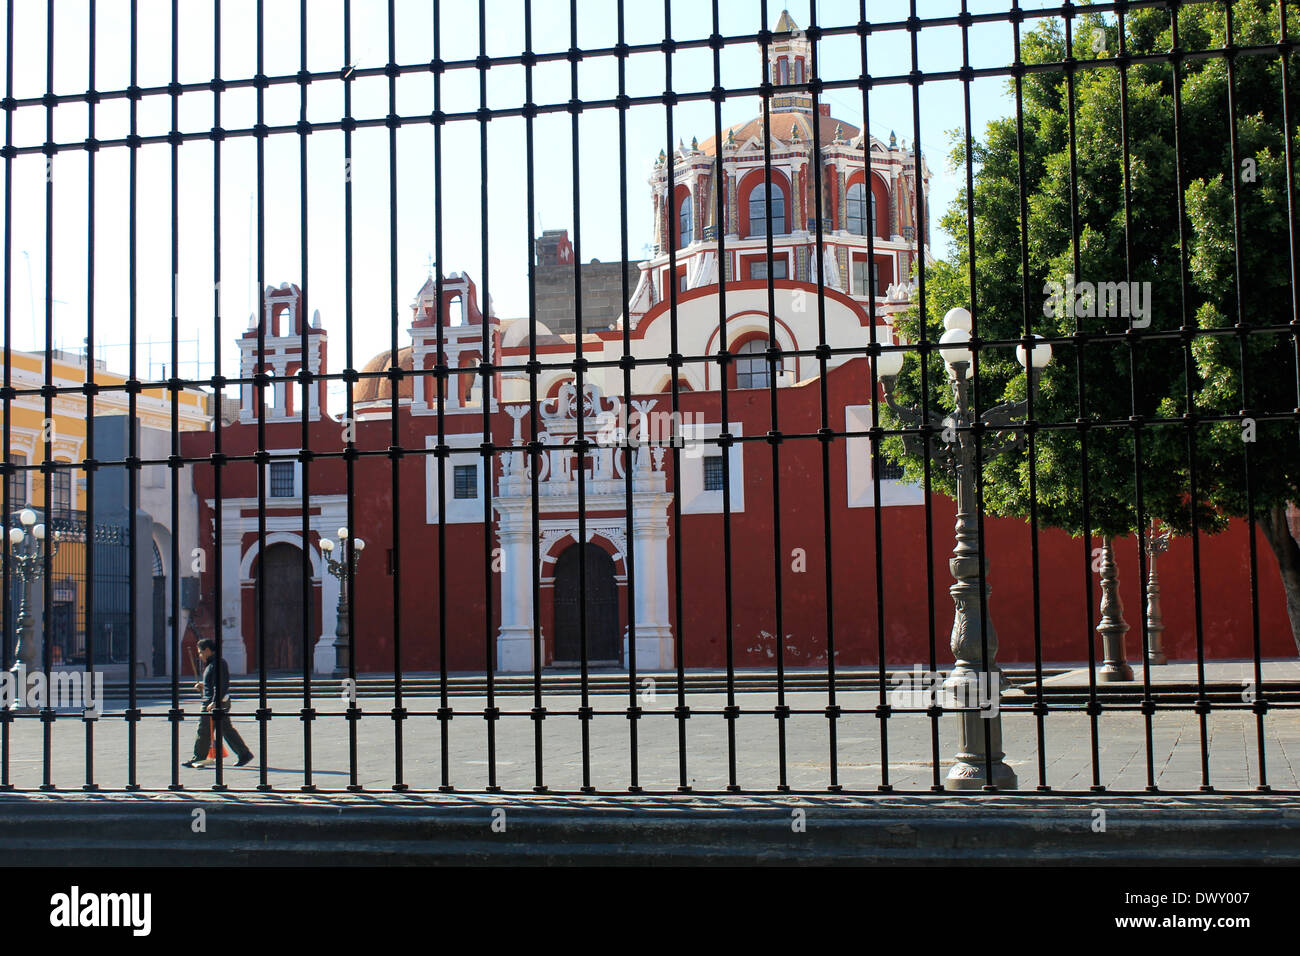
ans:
(675, 521)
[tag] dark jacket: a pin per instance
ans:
(210, 680)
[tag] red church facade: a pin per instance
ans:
(464, 569)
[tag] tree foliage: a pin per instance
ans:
(1078, 224)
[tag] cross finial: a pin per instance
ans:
(431, 264)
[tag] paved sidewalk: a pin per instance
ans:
(1175, 753)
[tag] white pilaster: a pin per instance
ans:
(322, 660)
(654, 634)
(232, 597)
(515, 637)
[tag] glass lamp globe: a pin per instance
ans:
(343, 534)
(1040, 354)
(15, 535)
(957, 318)
(953, 348)
(38, 532)
(889, 364)
(28, 517)
(359, 544)
(326, 545)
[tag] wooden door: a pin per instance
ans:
(601, 603)
(282, 617)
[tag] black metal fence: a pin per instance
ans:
(1131, 422)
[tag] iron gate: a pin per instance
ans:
(1126, 226)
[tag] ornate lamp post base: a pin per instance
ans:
(341, 648)
(971, 769)
(1111, 672)
(341, 669)
(1112, 627)
(1157, 544)
(967, 776)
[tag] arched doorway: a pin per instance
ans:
(282, 616)
(601, 602)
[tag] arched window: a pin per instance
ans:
(684, 222)
(857, 209)
(758, 211)
(751, 365)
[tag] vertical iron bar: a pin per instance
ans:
(176, 463)
(534, 459)
(218, 380)
(133, 384)
(923, 348)
(724, 437)
(1148, 705)
(992, 682)
(1040, 706)
(1202, 705)
(1094, 706)
(89, 619)
(883, 710)
(682, 712)
(585, 715)
(261, 380)
(629, 505)
(1235, 167)
(307, 382)
(774, 433)
(824, 432)
(47, 461)
(350, 453)
(395, 379)
(445, 381)
(486, 382)
(6, 715)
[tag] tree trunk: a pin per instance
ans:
(1278, 533)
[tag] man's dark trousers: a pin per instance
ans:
(204, 739)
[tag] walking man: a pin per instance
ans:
(215, 687)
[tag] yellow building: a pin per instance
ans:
(26, 432)
(26, 426)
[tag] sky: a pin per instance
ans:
(504, 275)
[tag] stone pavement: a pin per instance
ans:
(1176, 746)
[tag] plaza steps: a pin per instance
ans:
(553, 682)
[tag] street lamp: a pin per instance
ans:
(343, 569)
(28, 545)
(1157, 544)
(972, 630)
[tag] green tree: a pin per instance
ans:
(1077, 227)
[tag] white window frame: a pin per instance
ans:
(866, 290)
(277, 455)
(695, 500)
(459, 510)
(860, 483)
(270, 482)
